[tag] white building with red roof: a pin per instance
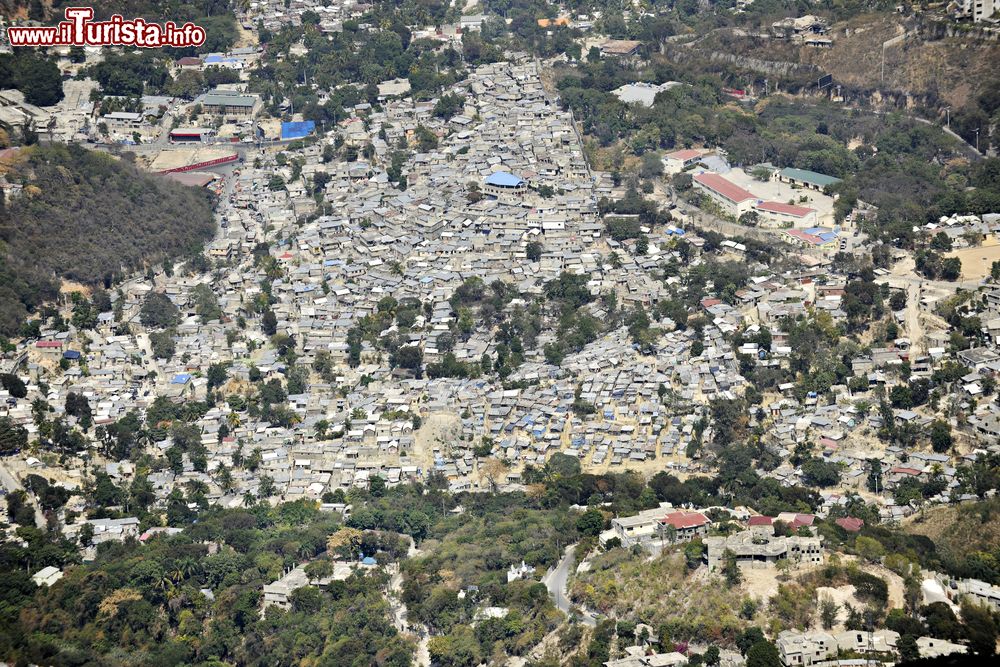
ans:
(678, 161)
(731, 198)
(777, 214)
(681, 526)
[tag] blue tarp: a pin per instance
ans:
(297, 130)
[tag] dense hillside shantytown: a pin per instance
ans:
(500, 333)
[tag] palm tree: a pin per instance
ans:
(144, 438)
(224, 478)
(249, 499)
(184, 568)
(165, 583)
(196, 487)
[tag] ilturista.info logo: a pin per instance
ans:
(79, 29)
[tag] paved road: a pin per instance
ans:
(9, 482)
(556, 581)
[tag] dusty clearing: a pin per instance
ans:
(437, 432)
(977, 262)
(68, 287)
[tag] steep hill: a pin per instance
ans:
(90, 218)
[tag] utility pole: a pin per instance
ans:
(977, 139)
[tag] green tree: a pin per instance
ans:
(13, 437)
(869, 548)
(763, 654)
(642, 245)
(306, 600)
(980, 627)
(941, 438)
(908, 649)
(14, 385)
(162, 343)
(269, 323)
(590, 523)
(828, 612)
(817, 472)
(158, 311)
(650, 166)
(410, 357)
(731, 569)
(319, 569)
(206, 305)
(951, 268)
(459, 648)
(748, 639)
(217, 375)
(38, 77)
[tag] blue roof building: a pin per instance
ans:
(503, 179)
(297, 130)
(504, 183)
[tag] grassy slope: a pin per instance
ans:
(960, 528)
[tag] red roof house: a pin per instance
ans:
(684, 520)
(785, 209)
(850, 523)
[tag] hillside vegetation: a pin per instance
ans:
(87, 217)
(967, 535)
(924, 73)
(662, 593)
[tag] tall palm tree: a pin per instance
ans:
(184, 568)
(224, 478)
